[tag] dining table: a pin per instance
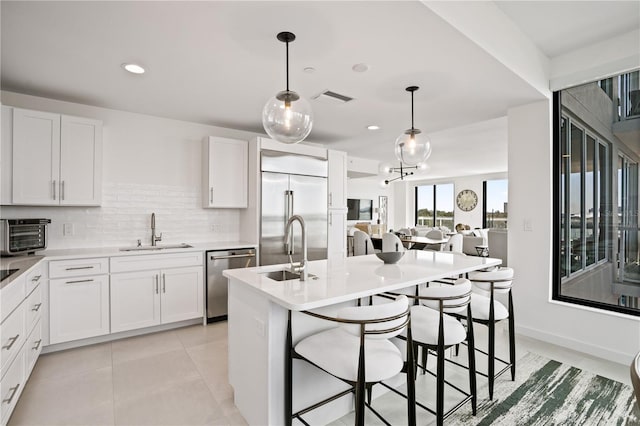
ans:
(410, 241)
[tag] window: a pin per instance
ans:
(434, 205)
(596, 250)
(495, 203)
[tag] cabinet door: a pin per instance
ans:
(337, 179)
(135, 300)
(6, 155)
(182, 294)
(78, 308)
(337, 235)
(80, 161)
(226, 168)
(36, 157)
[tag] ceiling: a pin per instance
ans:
(218, 62)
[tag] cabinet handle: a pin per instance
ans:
(13, 391)
(211, 195)
(36, 307)
(12, 340)
(330, 220)
(53, 185)
(157, 283)
(62, 190)
(164, 283)
(37, 346)
(331, 199)
(80, 281)
(36, 278)
(75, 268)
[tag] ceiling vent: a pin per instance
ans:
(332, 97)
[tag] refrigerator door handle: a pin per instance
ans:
(288, 244)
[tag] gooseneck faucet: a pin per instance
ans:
(154, 238)
(302, 269)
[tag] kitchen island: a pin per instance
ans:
(258, 314)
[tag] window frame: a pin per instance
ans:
(435, 203)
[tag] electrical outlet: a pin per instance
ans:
(213, 228)
(260, 329)
(67, 229)
(527, 225)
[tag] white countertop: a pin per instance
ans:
(78, 253)
(21, 263)
(354, 277)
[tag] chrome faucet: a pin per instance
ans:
(302, 268)
(154, 238)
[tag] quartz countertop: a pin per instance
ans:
(77, 253)
(341, 280)
(21, 263)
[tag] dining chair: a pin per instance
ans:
(488, 311)
(359, 352)
(362, 243)
(635, 377)
(455, 243)
(391, 242)
(433, 328)
(434, 234)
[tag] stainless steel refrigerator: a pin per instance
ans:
(292, 184)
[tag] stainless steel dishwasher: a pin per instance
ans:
(218, 261)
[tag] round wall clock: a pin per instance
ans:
(467, 200)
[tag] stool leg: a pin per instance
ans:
(512, 339)
(411, 380)
(491, 357)
(288, 376)
(472, 360)
(360, 387)
(440, 374)
(425, 353)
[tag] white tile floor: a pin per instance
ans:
(179, 377)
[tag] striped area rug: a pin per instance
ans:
(548, 392)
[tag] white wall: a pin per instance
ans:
(150, 164)
(608, 335)
(369, 188)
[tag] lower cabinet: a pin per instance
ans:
(147, 298)
(78, 308)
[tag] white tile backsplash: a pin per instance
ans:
(125, 217)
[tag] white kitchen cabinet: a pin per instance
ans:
(337, 179)
(149, 290)
(225, 173)
(337, 235)
(56, 159)
(78, 308)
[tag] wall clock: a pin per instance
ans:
(467, 200)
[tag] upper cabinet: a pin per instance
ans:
(337, 194)
(57, 159)
(225, 173)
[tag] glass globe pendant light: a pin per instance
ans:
(412, 147)
(287, 117)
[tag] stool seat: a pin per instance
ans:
(425, 322)
(481, 306)
(336, 350)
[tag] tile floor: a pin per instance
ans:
(179, 377)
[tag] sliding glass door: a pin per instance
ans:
(629, 265)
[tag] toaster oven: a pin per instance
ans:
(22, 236)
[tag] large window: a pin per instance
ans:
(434, 205)
(495, 203)
(596, 252)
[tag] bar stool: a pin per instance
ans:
(358, 352)
(362, 244)
(433, 328)
(488, 311)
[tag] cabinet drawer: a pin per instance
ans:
(78, 267)
(33, 308)
(12, 336)
(11, 296)
(11, 387)
(32, 348)
(34, 277)
(156, 261)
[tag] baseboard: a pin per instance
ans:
(576, 345)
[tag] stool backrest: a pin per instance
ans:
(362, 243)
(635, 377)
(382, 321)
(453, 298)
(455, 243)
(502, 279)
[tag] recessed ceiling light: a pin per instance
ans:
(309, 70)
(373, 127)
(360, 67)
(133, 68)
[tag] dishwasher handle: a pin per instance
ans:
(233, 256)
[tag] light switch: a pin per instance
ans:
(68, 229)
(528, 225)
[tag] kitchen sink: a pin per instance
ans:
(285, 275)
(158, 247)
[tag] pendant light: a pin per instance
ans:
(412, 147)
(287, 117)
